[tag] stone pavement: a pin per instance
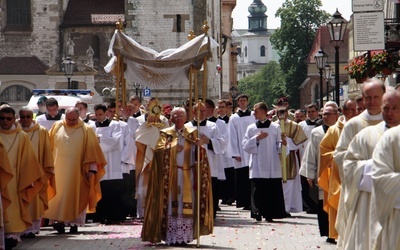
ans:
(233, 230)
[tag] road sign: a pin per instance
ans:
(146, 92)
(341, 91)
(367, 5)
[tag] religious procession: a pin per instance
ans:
(171, 168)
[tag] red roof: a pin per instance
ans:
(22, 66)
(323, 40)
(93, 12)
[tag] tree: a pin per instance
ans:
(300, 20)
(266, 85)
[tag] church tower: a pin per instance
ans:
(253, 44)
(257, 17)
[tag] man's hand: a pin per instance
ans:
(238, 158)
(261, 135)
(284, 142)
(310, 182)
(204, 139)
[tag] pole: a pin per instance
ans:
(69, 82)
(283, 151)
(337, 75)
(327, 90)
(321, 89)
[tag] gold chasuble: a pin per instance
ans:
(27, 181)
(295, 132)
(74, 149)
(5, 177)
(39, 137)
(163, 186)
(329, 177)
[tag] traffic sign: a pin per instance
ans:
(146, 92)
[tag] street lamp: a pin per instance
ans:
(138, 90)
(234, 93)
(69, 66)
(337, 27)
(328, 77)
(320, 60)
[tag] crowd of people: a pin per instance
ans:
(171, 168)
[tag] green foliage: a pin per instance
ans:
(267, 85)
(300, 20)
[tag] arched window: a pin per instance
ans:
(262, 50)
(16, 93)
(245, 51)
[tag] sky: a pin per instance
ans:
(240, 13)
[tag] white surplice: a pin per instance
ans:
(110, 137)
(237, 127)
(42, 120)
(357, 195)
(350, 129)
(211, 130)
(264, 154)
(310, 161)
(386, 189)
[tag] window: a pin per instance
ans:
(262, 50)
(245, 51)
(178, 23)
(16, 93)
(18, 15)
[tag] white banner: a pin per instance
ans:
(153, 69)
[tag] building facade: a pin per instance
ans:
(35, 37)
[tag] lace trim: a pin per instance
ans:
(179, 230)
(35, 228)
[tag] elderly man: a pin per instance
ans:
(373, 90)
(27, 179)
(39, 137)
(361, 230)
(78, 166)
(171, 201)
(311, 162)
(385, 178)
(329, 180)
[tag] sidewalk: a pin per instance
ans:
(233, 230)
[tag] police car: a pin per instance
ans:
(65, 97)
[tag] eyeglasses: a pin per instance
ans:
(2, 118)
(25, 117)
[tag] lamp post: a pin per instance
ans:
(69, 66)
(337, 27)
(320, 60)
(328, 77)
(234, 93)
